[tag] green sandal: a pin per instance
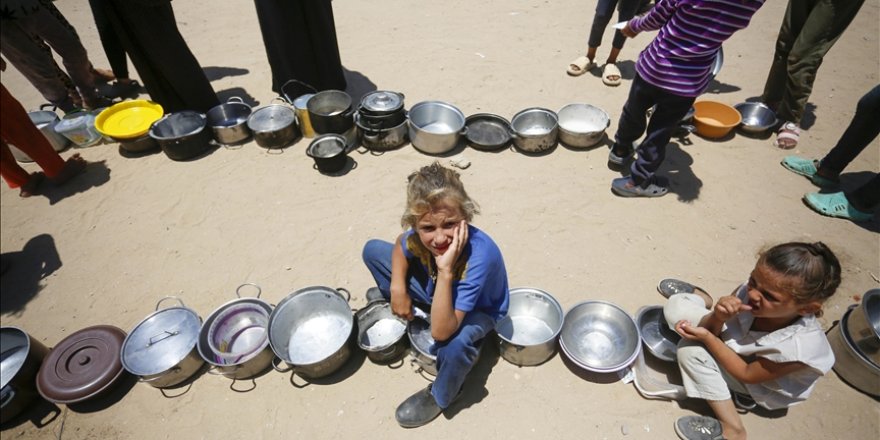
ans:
(835, 205)
(807, 168)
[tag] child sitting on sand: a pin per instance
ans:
(444, 265)
(671, 72)
(763, 342)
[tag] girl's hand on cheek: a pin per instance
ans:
(459, 239)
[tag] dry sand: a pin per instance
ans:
(131, 231)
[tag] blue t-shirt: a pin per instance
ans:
(479, 277)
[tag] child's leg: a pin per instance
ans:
(666, 117)
(731, 423)
(633, 120)
(456, 356)
(377, 257)
(684, 306)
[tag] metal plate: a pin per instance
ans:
(659, 339)
(487, 132)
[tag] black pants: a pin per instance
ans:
(864, 128)
(633, 122)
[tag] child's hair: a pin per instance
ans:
(433, 184)
(813, 265)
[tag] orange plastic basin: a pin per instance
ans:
(714, 119)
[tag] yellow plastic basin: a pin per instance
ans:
(128, 119)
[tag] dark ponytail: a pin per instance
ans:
(813, 265)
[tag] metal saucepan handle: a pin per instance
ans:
(278, 98)
(8, 395)
(170, 297)
(235, 99)
(238, 289)
(347, 293)
(49, 106)
(275, 361)
(172, 370)
(162, 336)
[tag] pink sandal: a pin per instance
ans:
(788, 136)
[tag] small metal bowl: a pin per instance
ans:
(756, 117)
(600, 337)
(656, 335)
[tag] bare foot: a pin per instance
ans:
(103, 75)
(32, 186)
(72, 167)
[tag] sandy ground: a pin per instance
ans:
(105, 248)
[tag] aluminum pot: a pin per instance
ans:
(161, 349)
(380, 332)
(419, 333)
(246, 352)
(330, 111)
(381, 110)
(329, 152)
(535, 129)
(45, 121)
(19, 363)
(274, 125)
(311, 331)
(435, 127)
(582, 125)
(383, 139)
(863, 326)
(182, 135)
(849, 363)
(527, 335)
(228, 121)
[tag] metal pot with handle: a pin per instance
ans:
(161, 349)
(182, 135)
(274, 125)
(228, 121)
(19, 363)
(331, 112)
(311, 331)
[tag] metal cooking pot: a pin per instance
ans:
(182, 135)
(582, 125)
(161, 349)
(383, 139)
(849, 363)
(527, 335)
(419, 333)
(329, 152)
(274, 126)
(435, 127)
(380, 332)
(45, 121)
(228, 121)
(243, 350)
(330, 111)
(863, 326)
(535, 129)
(19, 363)
(311, 331)
(381, 110)
(140, 144)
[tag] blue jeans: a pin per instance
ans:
(666, 117)
(456, 355)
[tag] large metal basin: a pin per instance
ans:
(600, 337)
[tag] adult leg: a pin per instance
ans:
(822, 27)
(864, 128)
(34, 64)
(666, 117)
(795, 15)
(377, 257)
(457, 355)
(109, 41)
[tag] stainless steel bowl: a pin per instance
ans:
(756, 117)
(582, 125)
(528, 333)
(659, 339)
(600, 337)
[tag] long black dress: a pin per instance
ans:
(169, 70)
(300, 40)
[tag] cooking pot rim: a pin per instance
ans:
(163, 120)
(271, 130)
(209, 321)
(128, 338)
(369, 308)
(281, 307)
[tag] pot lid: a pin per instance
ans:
(161, 341)
(14, 348)
(486, 131)
(382, 102)
(271, 117)
(81, 365)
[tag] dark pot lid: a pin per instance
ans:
(486, 131)
(382, 102)
(82, 365)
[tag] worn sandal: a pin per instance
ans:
(580, 65)
(698, 428)
(614, 158)
(626, 187)
(672, 286)
(788, 136)
(835, 205)
(809, 169)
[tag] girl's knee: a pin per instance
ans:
(372, 248)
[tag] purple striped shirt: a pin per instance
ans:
(680, 58)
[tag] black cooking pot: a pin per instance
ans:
(21, 358)
(381, 110)
(329, 153)
(274, 126)
(182, 135)
(330, 111)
